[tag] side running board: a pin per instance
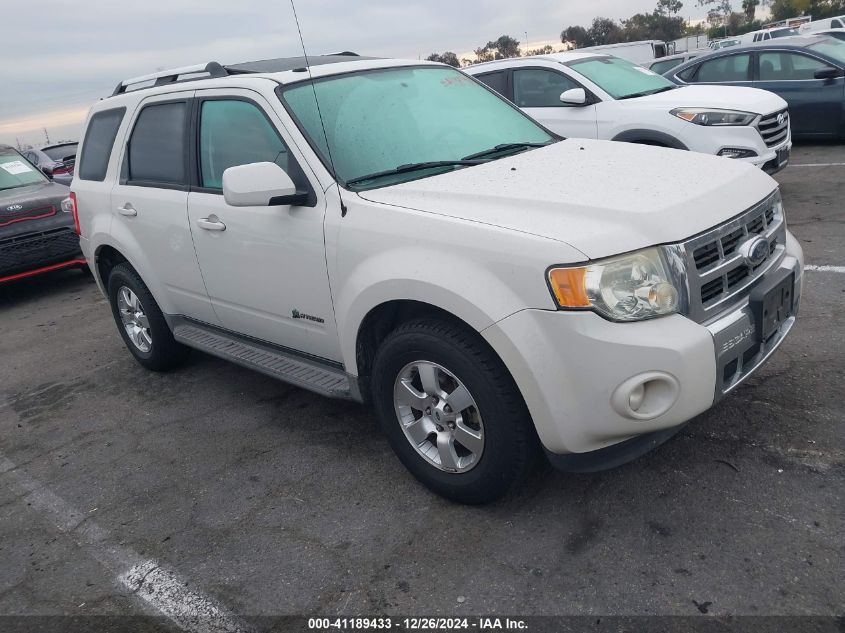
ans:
(307, 374)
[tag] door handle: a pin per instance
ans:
(211, 223)
(127, 210)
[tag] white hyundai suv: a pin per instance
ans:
(589, 95)
(394, 232)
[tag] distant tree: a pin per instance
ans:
(484, 54)
(717, 10)
(504, 47)
(652, 26)
(668, 7)
(749, 7)
(545, 50)
(604, 31)
(576, 36)
(446, 58)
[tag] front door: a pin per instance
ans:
(264, 267)
(538, 90)
(815, 105)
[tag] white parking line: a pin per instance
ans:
(817, 164)
(825, 269)
(163, 590)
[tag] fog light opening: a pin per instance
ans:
(646, 396)
(736, 152)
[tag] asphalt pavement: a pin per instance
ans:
(123, 490)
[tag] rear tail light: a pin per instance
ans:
(69, 206)
(62, 169)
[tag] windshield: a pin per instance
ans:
(61, 152)
(15, 171)
(620, 78)
(377, 121)
(834, 49)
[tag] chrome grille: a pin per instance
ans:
(718, 275)
(773, 132)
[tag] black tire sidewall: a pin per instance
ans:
(506, 441)
(119, 278)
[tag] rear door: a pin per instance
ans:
(537, 91)
(149, 203)
(265, 267)
(815, 105)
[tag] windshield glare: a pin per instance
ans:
(620, 78)
(15, 171)
(376, 121)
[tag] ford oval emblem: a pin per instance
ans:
(755, 251)
(14, 207)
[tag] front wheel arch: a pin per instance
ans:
(650, 137)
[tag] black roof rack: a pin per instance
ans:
(214, 70)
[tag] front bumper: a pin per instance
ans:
(712, 140)
(576, 371)
(28, 254)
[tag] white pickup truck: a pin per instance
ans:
(394, 232)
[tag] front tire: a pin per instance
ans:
(141, 323)
(452, 412)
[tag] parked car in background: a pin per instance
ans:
(724, 43)
(641, 52)
(807, 71)
(35, 234)
(836, 22)
(764, 35)
(837, 34)
(594, 95)
(665, 64)
(57, 161)
(420, 244)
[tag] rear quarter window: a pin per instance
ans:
(496, 81)
(97, 144)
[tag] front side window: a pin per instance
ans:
(620, 78)
(782, 66)
(157, 148)
(405, 119)
(724, 69)
(236, 133)
(16, 171)
(538, 88)
(97, 144)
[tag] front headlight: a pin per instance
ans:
(713, 116)
(630, 287)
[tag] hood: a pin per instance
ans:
(725, 97)
(31, 202)
(600, 197)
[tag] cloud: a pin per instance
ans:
(60, 55)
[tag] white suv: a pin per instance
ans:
(587, 95)
(417, 242)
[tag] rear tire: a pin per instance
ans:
(141, 323)
(473, 455)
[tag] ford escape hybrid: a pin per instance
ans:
(395, 232)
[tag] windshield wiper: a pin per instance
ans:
(646, 93)
(503, 147)
(403, 169)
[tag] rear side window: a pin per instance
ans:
(663, 67)
(724, 69)
(496, 81)
(158, 145)
(97, 144)
(837, 24)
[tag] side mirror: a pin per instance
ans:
(260, 185)
(574, 96)
(828, 73)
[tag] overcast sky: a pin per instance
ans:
(62, 55)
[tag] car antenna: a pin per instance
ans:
(319, 112)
